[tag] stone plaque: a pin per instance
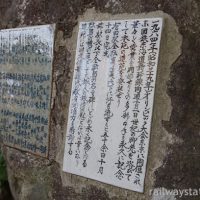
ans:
(111, 103)
(26, 56)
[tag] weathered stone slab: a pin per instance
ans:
(26, 56)
(112, 101)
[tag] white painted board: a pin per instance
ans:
(111, 105)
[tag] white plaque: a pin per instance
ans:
(111, 103)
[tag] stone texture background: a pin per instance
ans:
(174, 154)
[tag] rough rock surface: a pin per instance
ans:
(175, 140)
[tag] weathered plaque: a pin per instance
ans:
(111, 104)
(26, 56)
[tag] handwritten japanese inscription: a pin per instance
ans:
(26, 56)
(111, 104)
